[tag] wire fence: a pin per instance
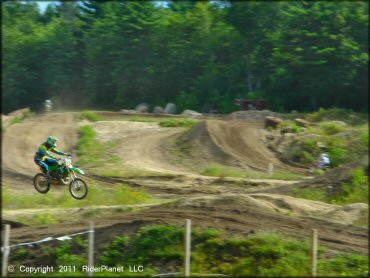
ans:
(5, 249)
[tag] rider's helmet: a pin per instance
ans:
(52, 141)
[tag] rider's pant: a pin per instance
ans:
(45, 164)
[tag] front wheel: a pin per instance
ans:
(78, 189)
(41, 183)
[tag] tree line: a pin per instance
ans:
(201, 55)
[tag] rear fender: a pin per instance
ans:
(78, 170)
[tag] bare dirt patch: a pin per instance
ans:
(233, 205)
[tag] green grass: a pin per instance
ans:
(137, 118)
(98, 195)
(169, 122)
(343, 134)
(92, 152)
(289, 123)
(178, 122)
(338, 114)
(17, 119)
(91, 116)
(356, 191)
(343, 144)
(331, 128)
(101, 159)
(217, 170)
(128, 172)
(160, 248)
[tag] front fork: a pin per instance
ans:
(73, 178)
(73, 175)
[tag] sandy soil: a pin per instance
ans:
(234, 205)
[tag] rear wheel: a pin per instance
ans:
(41, 183)
(78, 189)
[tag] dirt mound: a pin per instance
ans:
(336, 177)
(20, 141)
(199, 146)
(252, 115)
(330, 183)
(235, 143)
(226, 201)
(235, 220)
(279, 204)
(301, 207)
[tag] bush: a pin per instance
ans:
(288, 123)
(338, 114)
(345, 265)
(64, 256)
(357, 191)
(331, 128)
(338, 150)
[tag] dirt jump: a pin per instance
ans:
(236, 142)
(234, 205)
(21, 141)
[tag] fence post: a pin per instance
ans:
(187, 247)
(91, 248)
(271, 169)
(314, 252)
(6, 251)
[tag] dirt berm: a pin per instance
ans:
(22, 140)
(235, 143)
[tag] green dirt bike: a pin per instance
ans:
(62, 174)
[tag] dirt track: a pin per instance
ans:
(22, 140)
(146, 146)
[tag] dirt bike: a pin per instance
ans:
(61, 174)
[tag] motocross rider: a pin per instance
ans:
(323, 161)
(44, 158)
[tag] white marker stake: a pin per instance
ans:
(91, 249)
(6, 250)
(271, 168)
(187, 247)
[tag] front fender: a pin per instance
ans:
(78, 170)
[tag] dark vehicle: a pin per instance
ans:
(246, 104)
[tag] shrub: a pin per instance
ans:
(64, 256)
(345, 265)
(115, 253)
(357, 190)
(288, 123)
(331, 128)
(338, 155)
(338, 114)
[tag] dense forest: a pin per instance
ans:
(201, 55)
